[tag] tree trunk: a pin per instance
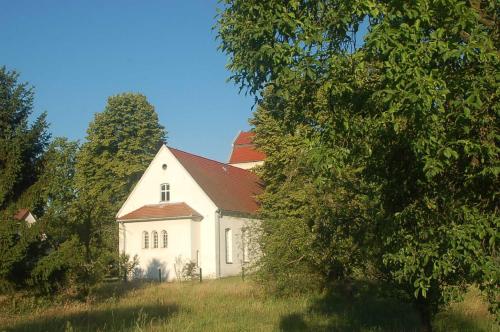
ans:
(424, 311)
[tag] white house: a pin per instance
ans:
(189, 207)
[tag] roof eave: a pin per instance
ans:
(246, 162)
(242, 214)
(196, 218)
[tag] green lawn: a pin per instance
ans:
(231, 305)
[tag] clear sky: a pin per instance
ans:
(77, 53)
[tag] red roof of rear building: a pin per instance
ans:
(244, 150)
(21, 214)
(159, 211)
(245, 154)
(232, 189)
(244, 137)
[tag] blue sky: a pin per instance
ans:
(77, 53)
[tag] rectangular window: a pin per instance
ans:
(164, 236)
(155, 239)
(164, 192)
(145, 240)
(229, 246)
(245, 242)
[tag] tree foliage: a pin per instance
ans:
(74, 191)
(21, 144)
(22, 154)
(121, 142)
(401, 135)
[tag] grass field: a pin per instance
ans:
(231, 305)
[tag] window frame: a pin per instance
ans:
(228, 245)
(145, 240)
(164, 239)
(165, 192)
(154, 235)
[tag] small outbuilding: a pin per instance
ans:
(25, 215)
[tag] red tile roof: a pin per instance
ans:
(159, 211)
(230, 188)
(244, 137)
(245, 154)
(244, 150)
(21, 214)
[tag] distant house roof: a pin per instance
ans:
(231, 189)
(244, 150)
(21, 214)
(161, 211)
(24, 215)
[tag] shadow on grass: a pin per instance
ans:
(112, 319)
(117, 289)
(360, 306)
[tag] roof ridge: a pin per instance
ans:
(216, 161)
(245, 144)
(132, 214)
(165, 203)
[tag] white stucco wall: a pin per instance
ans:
(182, 189)
(235, 224)
(180, 244)
(248, 165)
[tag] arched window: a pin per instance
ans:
(164, 236)
(164, 192)
(229, 246)
(145, 240)
(155, 239)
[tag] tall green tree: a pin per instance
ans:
(313, 225)
(21, 144)
(56, 188)
(55, 193)
(121, 142)
(414, 112)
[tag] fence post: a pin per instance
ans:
(201, 275)
(243, 273)
(159, 274)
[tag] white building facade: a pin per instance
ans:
(186, 208)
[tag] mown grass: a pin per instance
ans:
(232, 305)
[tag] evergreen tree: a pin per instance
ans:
(59, 256)
(22, 152)
(21, 145)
